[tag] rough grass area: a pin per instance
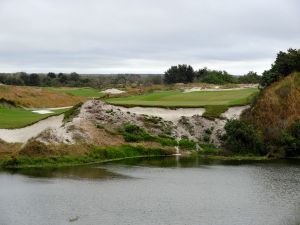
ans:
(81, 92)
(133, 133)
(192, 99)
(73, 112)
(95, 155)
(214, 111)
(18, 117)
(37, 97)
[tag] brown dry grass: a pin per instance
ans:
(7, 149)
(278, 106)
(102, 137)
(37, 97)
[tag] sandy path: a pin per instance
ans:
(22, 135)
(167, 114)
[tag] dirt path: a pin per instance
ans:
(22, 135)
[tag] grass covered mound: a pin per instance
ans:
(37, 97)
(278, 106)
(272, 125)
(36, 154)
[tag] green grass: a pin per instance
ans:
(192, 99)
(96, 155)
(18, 117)
(82, 92)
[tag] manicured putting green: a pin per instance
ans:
(192, 99)
(18, 117)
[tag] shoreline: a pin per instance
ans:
(234, 158)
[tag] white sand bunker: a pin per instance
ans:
(113, 91)
(167, 114)
(43, 111)
(194, 89)
(22, 135)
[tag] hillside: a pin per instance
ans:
(37, 97)
(277, 107)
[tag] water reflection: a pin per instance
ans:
(194, 191)
(78, 172)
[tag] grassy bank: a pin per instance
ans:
(95, 155)
(11, 118)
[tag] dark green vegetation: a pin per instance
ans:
(241, 138)
(271, 126)
(134, 133)
(186, 74)
(179, 74)
(44, 158)
(76, 80)
(73, 112)
(285, 64)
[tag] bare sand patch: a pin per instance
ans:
(43, 111)
(113, 91)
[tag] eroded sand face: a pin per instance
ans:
(234, 112)
(167, 114)
(22, 135)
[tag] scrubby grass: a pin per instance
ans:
(192, 99)
(214, 111)
(37, 97)
(96, 155)
(81, 92)
(133, 133)
(73, 112)
(210, 149)
(18, 117)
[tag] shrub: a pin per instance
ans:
(187, 144)
(241, 138)
(73, 112)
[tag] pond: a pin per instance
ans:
(156, 191)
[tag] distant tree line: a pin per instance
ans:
(186, 74)
(285, 64)
(75, 80)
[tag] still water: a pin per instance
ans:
(162, 191)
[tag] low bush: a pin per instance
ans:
(73, 112)
(187, 144)
(242, 138)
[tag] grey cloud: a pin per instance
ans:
(144, 35)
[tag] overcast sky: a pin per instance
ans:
(145, 36)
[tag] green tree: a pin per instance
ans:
(34, 79)
(250, 78)
(285, 63)
(179, 74)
